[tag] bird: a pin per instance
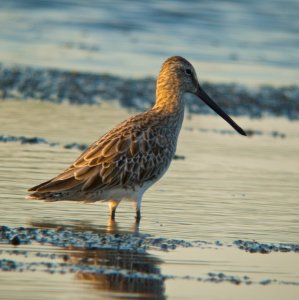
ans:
(134, 155)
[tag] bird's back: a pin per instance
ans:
(136, 152)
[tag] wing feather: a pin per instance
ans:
(92, 182)
(58, 186)
(129, 155)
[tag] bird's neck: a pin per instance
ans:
(170, 106)
(169, 97)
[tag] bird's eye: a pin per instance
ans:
(188, 71)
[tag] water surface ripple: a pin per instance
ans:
(227, 188)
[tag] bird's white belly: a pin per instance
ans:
(117, 194)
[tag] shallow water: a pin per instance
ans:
(236, 41)
(228, 187)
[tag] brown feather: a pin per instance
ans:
(35, 188)
(134, 148)
(124, 178)
(144, 147)
(122, 145)
(58, 185)
(105, 172)
(82, 172)
(68, 173)
(92, 182)
(109, 149)
(92, 152)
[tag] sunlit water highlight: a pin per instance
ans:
(228, 187)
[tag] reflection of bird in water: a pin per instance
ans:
(123, 272)
(112, 227)
(134, 155)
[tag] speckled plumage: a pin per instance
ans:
(130, 158)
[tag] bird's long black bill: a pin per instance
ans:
(204, 97)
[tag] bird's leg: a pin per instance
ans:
(138, 215)
(135, 228)
(112, 213)
(112, 206)
(138, 208)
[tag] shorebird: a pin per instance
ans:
(135, 154)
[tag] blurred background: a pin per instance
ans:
(247, 41)
(86, 52)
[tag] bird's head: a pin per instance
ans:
(178, 74)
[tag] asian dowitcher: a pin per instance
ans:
(135, 154)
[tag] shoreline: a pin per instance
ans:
(57, 86)
(63, 250)
(73, 238)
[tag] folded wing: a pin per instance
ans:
(126, 157)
